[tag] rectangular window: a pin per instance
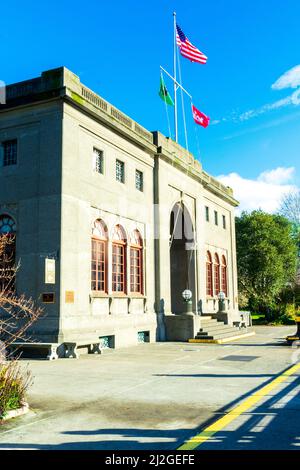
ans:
(9, 152)
(120, 171)
(207, 213)
(98, 267)
(139, 180)
(216, 218)
(136, 270)
(98, 161)
(224, 221)
(118, 268)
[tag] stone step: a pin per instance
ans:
(217, 330)
(211, 322)
(229, 334)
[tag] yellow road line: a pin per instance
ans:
(221, 423)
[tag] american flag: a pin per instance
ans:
(187, 49)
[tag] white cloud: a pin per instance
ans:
(264, 192)
(277, 176)
(290, 79)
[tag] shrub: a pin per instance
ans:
(13, 386)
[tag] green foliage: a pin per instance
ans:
(267, 260)
(13, 386)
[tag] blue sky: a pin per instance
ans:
(116, 48)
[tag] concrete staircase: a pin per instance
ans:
(213, 331)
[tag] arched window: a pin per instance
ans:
(209, 281)
(119, 260)
(217, 274)
(7, 252)
(224, 276)
(136, 263)
(99, 257)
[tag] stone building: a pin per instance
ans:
(112, 221)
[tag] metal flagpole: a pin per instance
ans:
(175, 85)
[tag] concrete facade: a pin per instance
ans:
(55, 196)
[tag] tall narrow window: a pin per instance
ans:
(120, 171)
(136, 263)
(216, 218)
(99, 257)
(209, 280)
(217, 274)
(119, 260)
(98, 161)
(224, 221)
(139, 180)
(8, 254)
(224, 276)
(9, 152)
(207, 213)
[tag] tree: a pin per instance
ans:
(266, 256)
(17, 313)
(290, 206)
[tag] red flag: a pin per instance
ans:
(200, 118)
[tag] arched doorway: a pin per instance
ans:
(7, 253)
(182, 257)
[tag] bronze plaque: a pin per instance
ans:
(69, 297)
(48, 298)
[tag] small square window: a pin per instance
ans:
(216, 218)
(98, 161)
(120, 171)
(224, 221)
(9, 152)
(139, 180)
(207, 213)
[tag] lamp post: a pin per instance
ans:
(187, 298)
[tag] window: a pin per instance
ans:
(209, 281)
(7, 260)
(9, 152)
(224, 221)
(207, 213)
(136, 263)
(216, 218)
(119, 260)
(224, 276)
(217, 274)
(99, 257)
(139, 180)
(120, 171)
(98, 161)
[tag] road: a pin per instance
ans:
(166, 396)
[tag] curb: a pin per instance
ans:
(15, 413)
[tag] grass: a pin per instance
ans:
(13, 386)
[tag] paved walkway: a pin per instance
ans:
(158, 396)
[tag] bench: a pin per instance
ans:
(71, 347)
(51, 348)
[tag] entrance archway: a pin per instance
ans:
(182, 257)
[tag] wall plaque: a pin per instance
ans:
(49, 271)
(69, 296)
(48, 298)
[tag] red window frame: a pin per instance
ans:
(119, 284)
(209, 280)
(224, 276)
(217, 284)
(99, 258)
(136, 264)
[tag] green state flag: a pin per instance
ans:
(164, 94)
